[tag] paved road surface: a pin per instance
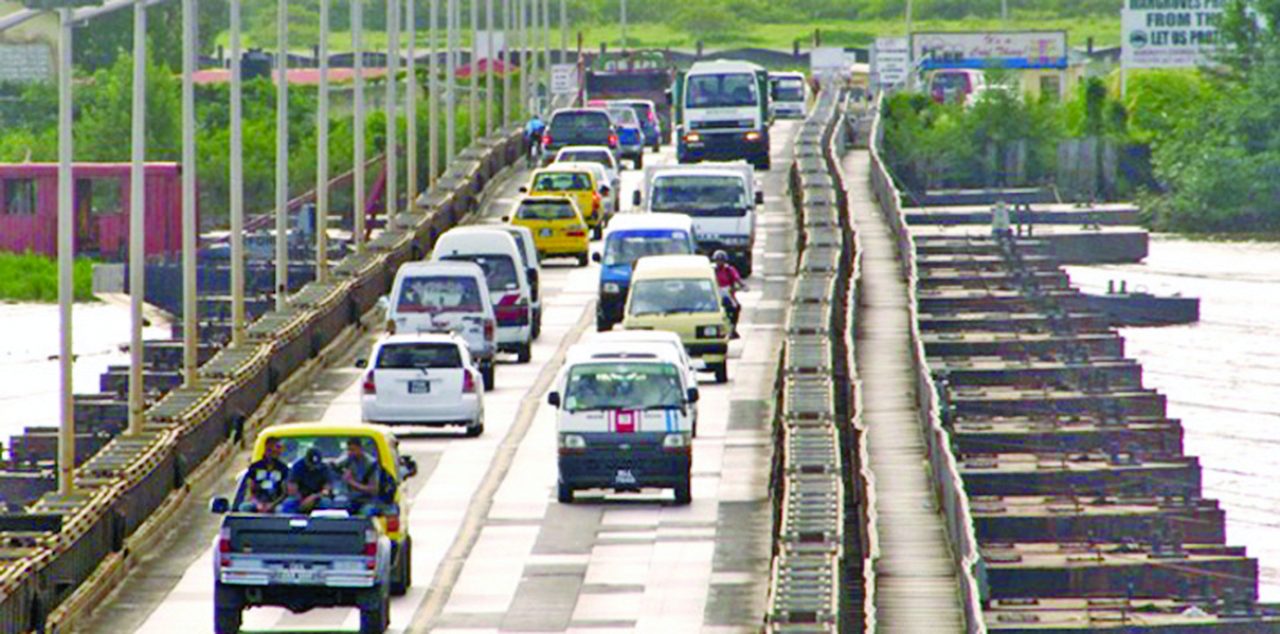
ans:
(493, 550)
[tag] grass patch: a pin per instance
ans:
(29, 277)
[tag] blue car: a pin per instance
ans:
(630, 134)
(628, 238)
(650, 124)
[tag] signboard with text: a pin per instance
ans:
(890, 62)
(1169, 33)
(990, 49)
(564, 79)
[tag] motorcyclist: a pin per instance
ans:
(730, 282)
(533, 132)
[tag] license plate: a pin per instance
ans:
(545, 233)
(625, 477)
(419, 387)
(296, 576)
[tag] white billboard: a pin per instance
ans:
(992, 49)
(1169, 33)
(890, 61)
(564, 79)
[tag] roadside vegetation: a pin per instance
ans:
(34, 278)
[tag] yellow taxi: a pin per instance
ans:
(577, 182)
(679, 293)
(556, 224)
(332, 443)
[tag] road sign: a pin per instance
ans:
(564, 79)
(890, 62)
(1166, 35)
(991, 49)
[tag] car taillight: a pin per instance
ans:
(652, 118)
(595, 203)
(576, 233)
(613, 140)
(370, 543)
(393, 523)
(224, 540)
(369, 386)
(546, 140)
(468, 385)
(489, 327)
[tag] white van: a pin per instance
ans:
(624, 422)
(720, 197)
(509, 290)
(628, 238)
(446, 297)
(654, 342)
(532, 265)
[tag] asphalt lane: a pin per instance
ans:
(493, 551)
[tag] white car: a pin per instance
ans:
(599, 155)
(661, 343)
(422, 379)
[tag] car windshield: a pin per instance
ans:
(626, 248)
(700, 195)
(662, 297)
(439, 294)
(623, 385)
(580, 122)
(418, 356)
(624, 116)
(722, 91)
(642, 110)
(788, 90)
(584, 156)
(562, 182)
(499, 270)
(547, 210)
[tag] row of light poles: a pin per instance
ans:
(524, 21)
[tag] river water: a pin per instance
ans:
(1221, 375)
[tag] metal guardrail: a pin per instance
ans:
(820, 506)
(120, 487)
(942, 462)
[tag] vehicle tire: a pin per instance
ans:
(375, 614)
(596, 232)
(722, 371)
(683, 492)
(640, 161)
(564, 492)
(603, 324)
(227, 610)
(524, 353)
(475, 429)
(486, 376)
(402, 575)
(764, 165)
(537, 325)
(657, 145)
(583, 258)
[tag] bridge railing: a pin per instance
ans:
(948, 484)
(43, 574)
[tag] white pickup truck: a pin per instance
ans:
(721, 198)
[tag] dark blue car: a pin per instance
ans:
(650, 124)
(630, 134)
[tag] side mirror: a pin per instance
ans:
(604, 190)
(759, 197)
(362, 363)
(219, 505)
(384, 302)
(408, 466)
(506, 218)
(523, 189)
(692, 395)
(595, 257)
(553, 399)
(635, 198)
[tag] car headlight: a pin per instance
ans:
(710, 332)
(610, 287)
(676, 441)
(572, 441)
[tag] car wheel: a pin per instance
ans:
(486, 376)
(402, 576)
(475, 429)
(596, 231)
(524, 353)
(583, 258)
(657, 146)
(537, 325)
(640, 161)
(564, 493)
(722, 371)
(375, 614)
(227, 610)
(684, 492)
(603, 324)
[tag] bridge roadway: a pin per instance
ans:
(493, 551)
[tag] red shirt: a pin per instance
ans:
(727, 276)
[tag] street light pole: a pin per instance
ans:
(564, 33)
(451, 84)
(137, 218)
(189, 228)
(411, 107)
(282, 154)
(546, 52)
(66, 245)
(433, 105)
(522, 44)
(472, 104)
(322, 152)
(357, 141)
(237, 183)
(393, 128)
(624, 24)
(507, 34)
(488, 75)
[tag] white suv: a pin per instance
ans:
(422, 379)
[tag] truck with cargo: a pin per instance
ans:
(721, 198)
(722, 113)
(633, 75)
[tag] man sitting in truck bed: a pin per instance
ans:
(361, 476)
(310, 480)
(266, 480)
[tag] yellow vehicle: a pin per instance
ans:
(678, 293)
(556, 224)
(577, 182)
(377, 442)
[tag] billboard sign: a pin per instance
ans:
(991, 49)
(827, 60)
(564, 79)
(1169, 33)
(890, 61)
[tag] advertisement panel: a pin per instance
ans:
(991, 49)
(890, 62)
(564, 79)
(1169, 33)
